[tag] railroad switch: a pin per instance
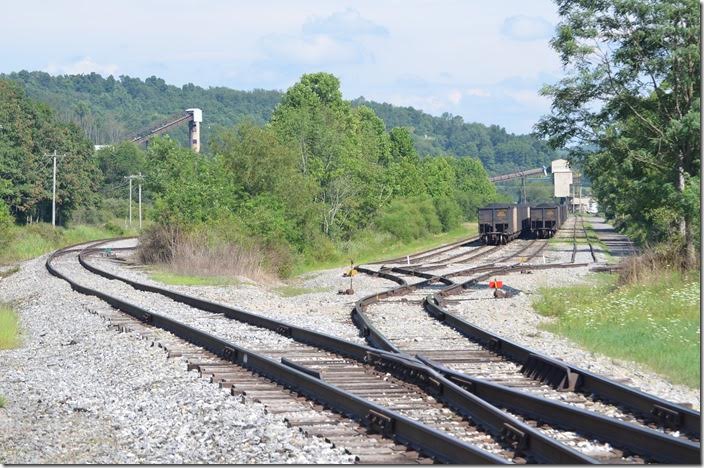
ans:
(351, 273)
(496, 285)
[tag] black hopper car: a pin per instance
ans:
(501, 223)
(546, 219)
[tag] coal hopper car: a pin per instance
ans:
(546, 219)
(501, 223)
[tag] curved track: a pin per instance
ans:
(451, 426)
(399, 393)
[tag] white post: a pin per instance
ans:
(130, 179)
(140, 200)
(53, 197)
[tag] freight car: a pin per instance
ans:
(546, 219)
(501, 223)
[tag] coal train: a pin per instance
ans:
(500, 223)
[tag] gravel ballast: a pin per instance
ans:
(78, 392)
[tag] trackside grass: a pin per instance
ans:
(176, 279)
(655, 323)
(37, 239)
(374, 246)
(9, 327)
(293, 290)
(9, 332)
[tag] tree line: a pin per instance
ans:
(321, 172)
(109, 109)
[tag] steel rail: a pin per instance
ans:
(587, 382)
(659, 446)
(586, 235)
(665, 447)
(408, 432)
(406, 368)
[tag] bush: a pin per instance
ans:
(157, 243)
(409, 219)
(449, 213)
(217, 250)
(653, 263)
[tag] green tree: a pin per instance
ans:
(472, 186)
(29, 131)
(629, 107)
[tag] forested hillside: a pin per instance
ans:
(110, 109)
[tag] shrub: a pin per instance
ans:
(653, 263)
(449, 213)
(409, 219)
(218, 250)
(158, 243)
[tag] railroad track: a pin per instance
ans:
(357, 376)
(576, 240)
(429, 253)
(348, 378)
(465, 352)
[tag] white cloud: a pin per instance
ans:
(529, 97)
(331, 40)
(319, 49)
(478, 92)
(527, 28)
(83, 66)
(344, 24)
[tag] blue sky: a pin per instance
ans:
(482, 60)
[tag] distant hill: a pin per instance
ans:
(110, 109)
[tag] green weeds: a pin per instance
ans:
(292, 290)
(9, 327)
(372, 246)
(655, 323)
(37, 239)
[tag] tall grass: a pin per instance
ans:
(33, 240)
(194, 256)
(9, 327)
(654, 321)
(370, 246)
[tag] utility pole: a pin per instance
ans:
(53, 189)
(140, 201)
(139, 177)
